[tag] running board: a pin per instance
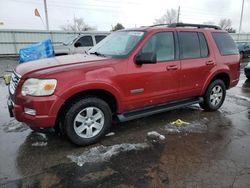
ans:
(139, 113)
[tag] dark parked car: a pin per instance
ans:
(244, 48)
(247, 70)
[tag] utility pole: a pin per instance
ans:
(46, 15)
(241, 15)
(178, 14)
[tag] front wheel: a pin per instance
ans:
(214, 96)
(87, 120)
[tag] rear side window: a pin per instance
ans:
(225, 43)
(98, 38)
(192, 45)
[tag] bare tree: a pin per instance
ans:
(169, 17)
(225, 23)
(77, 26)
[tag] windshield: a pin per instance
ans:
(118, 44)
(69, 40)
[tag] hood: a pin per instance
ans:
(60, 46)
(61, 49)
(41, 64)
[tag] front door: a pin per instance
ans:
(151, 84)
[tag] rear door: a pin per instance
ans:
(196, 62)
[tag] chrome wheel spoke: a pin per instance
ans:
(81, 128)
(97, 125)
(89, 132)
(220, 95)
(97, 116)
(89, 112)
(80, 118)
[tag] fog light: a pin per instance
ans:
(30, 111)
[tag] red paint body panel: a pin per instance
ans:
(121, 77)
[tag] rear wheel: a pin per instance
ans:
(214, 96)
(87, 121)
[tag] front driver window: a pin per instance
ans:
(85, 41)
(162, 44)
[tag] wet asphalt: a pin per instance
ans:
(213, 150)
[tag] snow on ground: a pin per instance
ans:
(39, 144)
(110, 134)
(239, 97)
(155, 135)
(39, 139)
(243, 98)
(104, 153)
(14, 126)
(41, 136)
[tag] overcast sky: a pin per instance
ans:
(19, 14)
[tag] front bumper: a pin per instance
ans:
(46, 111)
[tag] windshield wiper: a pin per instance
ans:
(97, 54)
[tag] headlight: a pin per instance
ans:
(39, 87)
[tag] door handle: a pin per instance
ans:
(172, 67)
(210, 62)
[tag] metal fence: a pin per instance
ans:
(240, 37)
(12, 40)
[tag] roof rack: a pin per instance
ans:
(188, 25)
(158, 25)
(194, 25)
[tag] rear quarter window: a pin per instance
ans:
(225, 43)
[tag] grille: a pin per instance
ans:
(14, 82)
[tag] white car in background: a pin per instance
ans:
(79, 43)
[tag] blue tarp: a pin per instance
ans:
(43, 49)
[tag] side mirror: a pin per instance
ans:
(145, 58)
(77, 44)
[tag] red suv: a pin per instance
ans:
(130, 74)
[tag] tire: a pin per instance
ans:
(87, 121)
(214, 96)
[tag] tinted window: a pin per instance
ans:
(189, 45)
(203, 45)
(86, 41)
(162, 44)
(98, 38)
(225, 43)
